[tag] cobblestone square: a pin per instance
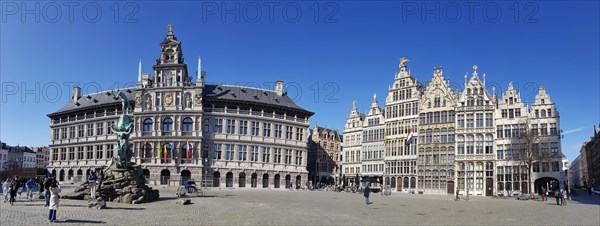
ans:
(269, 207)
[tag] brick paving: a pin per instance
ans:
(282, 207)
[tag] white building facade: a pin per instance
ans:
(352, 146)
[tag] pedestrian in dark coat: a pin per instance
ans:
(557, 196)
(366, 194)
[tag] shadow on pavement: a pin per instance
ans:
(81, 221)
(125, 208)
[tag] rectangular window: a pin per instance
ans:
(99, 152)
(99, 129)
(72, 153)
(461, 121)
(242, 152)
(277, 155)
(289, 132)
(229, 151)
(549, 113)
(80, 152)
(90, 152)
(511, 113)
(206, 125)
(555, 167)
(288, 156)
(72, 132)
(63, 133)
(470, 121)
(243, 127)
(278, 131)
(499, 152)
(300, 134)
(545, 167)
(298, 157)
(110, 152)
(504, 113)
(267, 129)
(554, 148)
(499, 132)
(266, 154)
(254, 153)
(230, 126)
(218, 125)
(108, 126)
(255, 128)
(217, 151)
(479, 120)
(553, 129)
(489, 120)
(517, 112)
(80, 131)
(56, 134)
(544, 129)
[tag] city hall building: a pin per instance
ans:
(222, 135)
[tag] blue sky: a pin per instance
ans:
(327, 57)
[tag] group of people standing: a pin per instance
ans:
(11, 187)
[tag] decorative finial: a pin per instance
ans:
(475, 67)
(170, 26)
(403, 62)
(374, 97)
(353, 104)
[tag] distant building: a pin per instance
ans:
(29, 158)
(592, 156)
(41, 157)
(3, 157)
(324, 156)
(352, 147)
(575, 178)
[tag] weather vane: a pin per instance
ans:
(170, 26)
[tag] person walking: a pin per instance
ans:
(29, 186)
(543, 194)
(54, 200)
(366, 194)
(457, 191)
(6, 189)
(14, 186)
(92, 183)
(557, 196)
(41, 186)
(563, 197)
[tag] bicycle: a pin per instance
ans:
(182, 191)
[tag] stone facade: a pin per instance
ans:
(220, 135)
(373, 133)
(401, 119)
(324, 156)
(352, 146)
(436, 140)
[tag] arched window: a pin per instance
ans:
(186, 126)
(147, 125)
(167, 125)
(184, 152)
(543, 114)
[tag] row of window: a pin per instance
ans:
(437, 158)
(232, 152)
(373, 135)
(400, 167)
(82, 152)
(475, 144)
(511, 113)
(82, 130)
(437, 117)
(372, 168)
(475, 120)
(398, 147)
(401, 127)
(437, 136)
(372, 152)
(402, 94)
(400, 110)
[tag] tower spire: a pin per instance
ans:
(140, 71)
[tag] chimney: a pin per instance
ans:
(279, 87)
(76, 93)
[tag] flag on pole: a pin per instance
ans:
(165, 153)
(187, 146)
(172, 148)
(409, 137)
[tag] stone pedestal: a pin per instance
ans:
(122, 183)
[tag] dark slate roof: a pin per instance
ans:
(99, 99)
(248, 94)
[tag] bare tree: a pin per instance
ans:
(532, 154)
